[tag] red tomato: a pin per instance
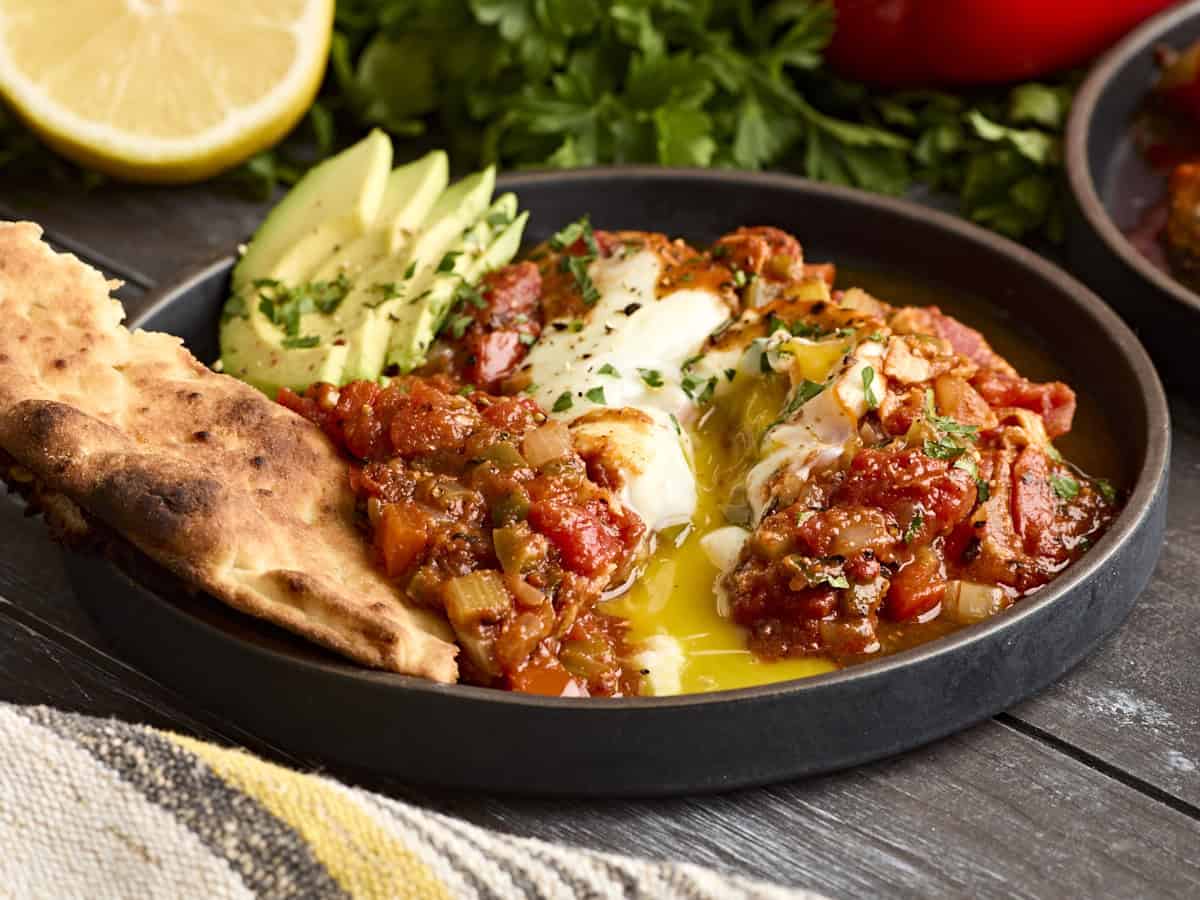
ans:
(917, 588)
(924, 42)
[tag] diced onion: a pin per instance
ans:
(723, 546)
(967, 602)
(549, 442)
(477, 597)
(527, 595)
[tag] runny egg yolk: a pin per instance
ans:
(675, 597)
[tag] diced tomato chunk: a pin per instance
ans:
(587, 541)
(492, 356)
(917, 588)
(1053, 401)
(401, 536)
(512, 414)
(548, 682)
(510, 295)
(904, 482)
(1033, 504)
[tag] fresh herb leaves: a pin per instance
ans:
(913, 529)
(1064, 486)
(563, 402)
(284, 306)
(675, 82)
(699, 390)
(951, 437)
(596, 395)
(868, 379)
(652, 377)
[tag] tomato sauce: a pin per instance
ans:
(478, 506)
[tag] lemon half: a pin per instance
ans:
(162, 90)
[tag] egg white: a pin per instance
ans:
(628, 340)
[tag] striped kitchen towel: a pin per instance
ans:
(97, 808)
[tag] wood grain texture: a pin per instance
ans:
(149, 234)
(988, 813)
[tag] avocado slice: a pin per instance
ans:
(383, 291)
(409, 196)
(415, 325)
(334, 201)
(252, 346)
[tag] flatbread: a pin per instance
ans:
(202, 473)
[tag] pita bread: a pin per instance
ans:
(202, 473)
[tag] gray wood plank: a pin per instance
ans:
(152, 233)
(988, 813)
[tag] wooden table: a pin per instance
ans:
(1090, 789)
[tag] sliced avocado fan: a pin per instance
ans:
(356, 268)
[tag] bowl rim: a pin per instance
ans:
(1079, 131)
(1149, 480)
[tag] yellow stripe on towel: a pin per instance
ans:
(362, 857)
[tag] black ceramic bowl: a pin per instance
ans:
(313, 703)
(1113, 188)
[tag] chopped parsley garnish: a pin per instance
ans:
(388, 290)
(576, 326)
(691, 361)
(1066, 487)
(578, 267)
(739, 278)
(411, 270)
(675, 422)
(804, 392)
(764, 362)
(804, 515)
(700, 390)
(466, 390)
(914, 526)
(731, 374)
(235, 308)
(563, 403)
(952, 436)
(1107, 491)
(982, 490)
(596, 395)
(943, 448)
(283, 305)
(526, 339)
(834, 581)
(719, 252)
(652, 377)
(298, 343)
(868, 378)
(468, 294)
(570, 234)
(458, 325)
(447, 263)
(875, 336)
(609, 370)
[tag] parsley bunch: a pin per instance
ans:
(678, 82)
